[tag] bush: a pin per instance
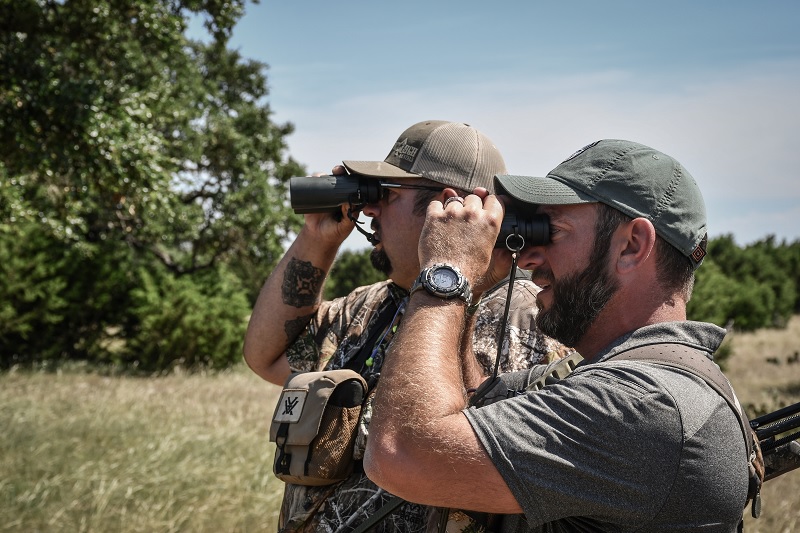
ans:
(714, 295)
(753, 287)
(32, 301)
(189, 322)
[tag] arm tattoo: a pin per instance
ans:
(295, 327)
(302, 283)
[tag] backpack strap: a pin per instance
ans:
(698, 363)
(384, 511)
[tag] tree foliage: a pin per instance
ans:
(132, 159)
(751, 287)
(351, 270)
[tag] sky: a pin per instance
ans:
(715, 84)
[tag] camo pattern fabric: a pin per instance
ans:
(335, 336)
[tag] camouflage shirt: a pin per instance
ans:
(336, 336)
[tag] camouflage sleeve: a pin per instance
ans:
(319, 340)
(336, 323)
(524, 345)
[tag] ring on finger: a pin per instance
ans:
(454, 199)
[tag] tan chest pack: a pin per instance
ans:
(314, 426)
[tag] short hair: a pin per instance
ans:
(674, 271)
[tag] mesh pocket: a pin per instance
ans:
(332, 452)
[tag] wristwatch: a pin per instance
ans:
(445, 281)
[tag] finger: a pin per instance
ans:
(453, 200)
(481, 192)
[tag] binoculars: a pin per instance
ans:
(325, 194)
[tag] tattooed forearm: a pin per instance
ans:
(294, 328)
(302, 283)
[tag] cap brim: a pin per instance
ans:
(542, 191)
(377, 169)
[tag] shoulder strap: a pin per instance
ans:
(695, 361)
(698, 363)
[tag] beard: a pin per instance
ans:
(380, 261)
(577, 299)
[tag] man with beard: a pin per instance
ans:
(293, 330)
(620, 444)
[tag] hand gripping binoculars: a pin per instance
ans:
(326, 194)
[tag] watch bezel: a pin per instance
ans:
(461, 289)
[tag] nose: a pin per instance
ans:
(531, 257)
(372, 210)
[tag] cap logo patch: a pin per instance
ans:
(403, 150)
(579, 152)
(700, 251)
(698, 254)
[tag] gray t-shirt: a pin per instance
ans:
(621, 445)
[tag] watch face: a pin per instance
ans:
(444, 279)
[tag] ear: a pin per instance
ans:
(637, 240)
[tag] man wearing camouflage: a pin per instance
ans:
(293, 330)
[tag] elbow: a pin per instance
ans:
(379, 466)
(386, 465)
(251, 359)
(275, 371)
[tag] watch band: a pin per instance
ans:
(473, 307)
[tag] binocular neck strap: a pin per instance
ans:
(501, 335)
(370, 236)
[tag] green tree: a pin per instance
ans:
(125, 147)
(351, 270)
(752, 287)
(714, 295)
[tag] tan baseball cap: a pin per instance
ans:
(450, 153)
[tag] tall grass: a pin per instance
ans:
(80, 452)
(766, 375)
(83, 453)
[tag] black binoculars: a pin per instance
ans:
(326, 194)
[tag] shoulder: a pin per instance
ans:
(661, 391)
(524, 291)
(523, 300)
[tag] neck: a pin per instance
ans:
(622, 316)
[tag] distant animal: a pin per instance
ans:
(773, 360)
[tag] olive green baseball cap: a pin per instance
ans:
(630, 177)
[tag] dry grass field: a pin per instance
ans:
(85, 453)
(765, 372)
(80, 452)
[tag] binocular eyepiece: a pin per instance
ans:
(325, 194)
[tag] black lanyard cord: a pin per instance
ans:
(487, 385)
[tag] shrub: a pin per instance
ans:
(191, 322)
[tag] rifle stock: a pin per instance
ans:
(782, 459)
(778, 436)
